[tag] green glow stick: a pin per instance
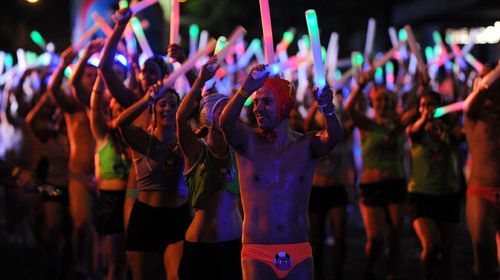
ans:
(9, 61)
(122, 4)
(38, 39)
(141, 37)
(403, 36)
(319, 68)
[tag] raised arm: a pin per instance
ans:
(82, 93)
(98, 124)
(475, 100)
(414, 130)
(176, 53)
(66, 102)
(359, 119)
(232, 128)
(114, 84)
(190, 146)
(325, 140)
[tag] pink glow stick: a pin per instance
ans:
(387, 56)
(174, 22)
(141, 6)
(85, 37)
(453, 107)
(474, 62)
(187, 65)
(267, 31)
(414, 49)
(103, 24)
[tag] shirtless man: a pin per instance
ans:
(81, 159)
(276, 166)
(482, 129)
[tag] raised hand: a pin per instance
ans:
(68, 55)
(366, 77)
(250, 84)
(95, 46)
(122, 16)
(208, 70)
(176, 52)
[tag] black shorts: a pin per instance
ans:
(383, 193)
(108, 218)
(325, 198)
(154, 228)
(441, 208)
(220, 260)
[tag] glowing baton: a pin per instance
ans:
(490, 78)
(332, 54)
(389, 75)
(9, 61)
(30, 59)
(2, 61)
(21, 59)
(203, 39)
(474, 62)
(187, 65)
(141, 6)
(415, 51)
(251, 50)
(439, 42)
(175, 19)
(78, 45)
(233, 39)
(141, 37)
(393, 36)
(122, 4)
(194, 32)
(443, 110)
(370, 37)
(388, 55)
(267, 31)
(286, 40)
(356, 62)
(319, 68)
(466, 49)
(274, 69)
(103, 24)
(38, 39)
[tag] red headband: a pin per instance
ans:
(284, 92)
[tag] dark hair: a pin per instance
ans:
(165, 67)
(432, 95)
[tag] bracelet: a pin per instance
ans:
(243, 93)
(327, 110)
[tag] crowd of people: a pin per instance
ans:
(238, 182)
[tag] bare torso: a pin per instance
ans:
(275, 186)
(82, 144)
(483, 139)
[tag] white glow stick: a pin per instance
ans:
(103, 24)
(267, 31)
(393, 36)
(332, 55)
(203, 39)
(249, 52)
(174, 22)
(85, 37)
(414, 49)
(141, 37)
(370, 37)
(319, 68)
(466, 49)
(187, 65)
(387, 56)
(21, 59)
(274, 69)
(141, 6)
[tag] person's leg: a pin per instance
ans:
(303, 271)
(116, 256)
(52, 236)
(256, 270)
(428, 233)
(172, 259)
(482, 219)
(317, 229)
(145, 265)
(397, 213)
(80, 203)
(338, 222)
(374, 219)
(447, 240)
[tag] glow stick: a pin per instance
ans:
(2, 60)
(103, 24)
(30, 59)
(141, 37)
(122, 4)
(221, 42)
(439, 42)
(356, 62)
(221, 72)
(389, 75)
(274, 69)
(303, 82)
(474, 62)
(141, 6)
(370, 37)
(267, 31)
(319, 69)
(286, 40)
(387, 56)
(332, 54)
(130, 42)
(393, 36)
(245, 58)
(453, 107)
(490, 78)
(203, 39)
(21, 59)
(85, 37)
(9, 61)
(174, 22)
(466, 49)
(187, 65)
(238, 32)
(344, 62)
(415, 51)
(38, 39)
(412, 65)
(379, 76)
(194, 32)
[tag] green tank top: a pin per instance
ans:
(434, 167)
(112, 164)
(383, 149)
(209, 175)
